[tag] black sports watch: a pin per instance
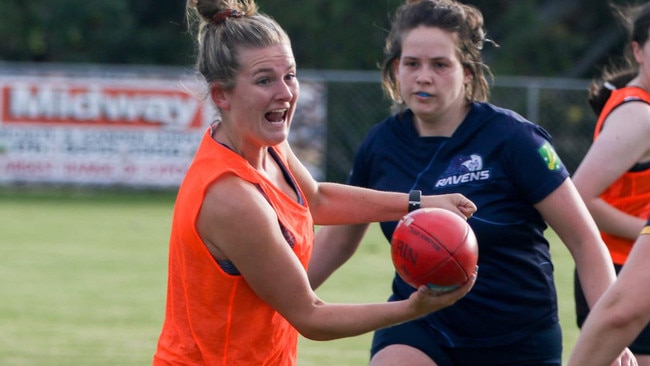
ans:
(415, 200)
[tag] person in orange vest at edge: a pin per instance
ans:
(614, 176)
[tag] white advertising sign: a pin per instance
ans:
(72, 130)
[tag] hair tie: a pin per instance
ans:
(222, 15)
(609, 86)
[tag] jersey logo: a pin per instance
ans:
(464, 169)
(550, 157)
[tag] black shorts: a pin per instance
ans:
(640, 346)
(541, 348)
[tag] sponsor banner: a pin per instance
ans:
(132, 132)
(101, 102)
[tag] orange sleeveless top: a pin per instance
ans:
(212, 317)
(630, 193)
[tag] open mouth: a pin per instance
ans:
(276, 116)
(423, 94)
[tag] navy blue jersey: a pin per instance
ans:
(504, 164)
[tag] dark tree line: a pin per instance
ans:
(568, 38)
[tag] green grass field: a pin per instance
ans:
(84, 276)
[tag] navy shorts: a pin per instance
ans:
(640, 346)
(541, 348)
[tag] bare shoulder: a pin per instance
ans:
(627, 128)
(231, 207)
(231, 195)
(633, 115)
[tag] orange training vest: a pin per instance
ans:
(630, 193)
(214, 318)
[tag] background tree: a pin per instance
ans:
(564, 38)
(99, 31)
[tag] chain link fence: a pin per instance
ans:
(355, 102)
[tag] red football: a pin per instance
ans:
(434, 247)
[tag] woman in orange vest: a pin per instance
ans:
(243, 223)
(614, 177)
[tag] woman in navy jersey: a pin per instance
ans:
(445, 137)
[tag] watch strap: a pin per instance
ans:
(415, 200)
